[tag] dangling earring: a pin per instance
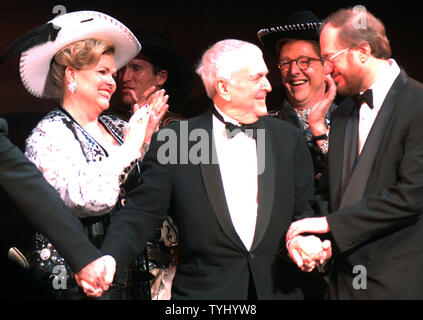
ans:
(72, 86)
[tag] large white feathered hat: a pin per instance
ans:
(42, 43)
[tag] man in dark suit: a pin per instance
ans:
(41, 205)
(375, 166)
(295, 46)
(231, 197)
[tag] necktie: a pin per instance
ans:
(367, 97)
(234, 130)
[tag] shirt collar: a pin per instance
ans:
(226, 117)
(381, 86)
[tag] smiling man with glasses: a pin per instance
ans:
(304, 78)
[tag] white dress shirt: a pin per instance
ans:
(238, 167)
(380, 89)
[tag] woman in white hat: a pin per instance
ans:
(91, 159)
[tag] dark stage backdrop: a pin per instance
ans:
(191, 27)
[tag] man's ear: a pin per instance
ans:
(364, 52)
(223, 89)
(161, 77)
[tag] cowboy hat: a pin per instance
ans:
(302, 25)
(39, 45)
(180, 75)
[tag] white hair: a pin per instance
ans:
(222, 59)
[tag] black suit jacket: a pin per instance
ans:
(212, 260)
(375, 217)
(40, 203)
(287, 113)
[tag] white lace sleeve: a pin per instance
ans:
(87, 188)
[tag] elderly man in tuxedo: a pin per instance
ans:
(232, 193)
(375, 165)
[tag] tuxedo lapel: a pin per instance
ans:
(336, 151)
(213, 185)
(358, 181)
(350, 146)
(266, 186)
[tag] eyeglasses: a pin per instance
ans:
(303, 63)
(336, 54)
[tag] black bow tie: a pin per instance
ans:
(234, 129)
(366, 97)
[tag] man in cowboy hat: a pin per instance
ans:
(157, 66)
(295, 45)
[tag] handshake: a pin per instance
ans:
(97, 276)
(309, 251)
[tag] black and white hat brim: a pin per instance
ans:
(304, 31)
(35, 62)
(300, 25)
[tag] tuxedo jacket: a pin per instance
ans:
(375, 216)
(40, 203)
(213, 262)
